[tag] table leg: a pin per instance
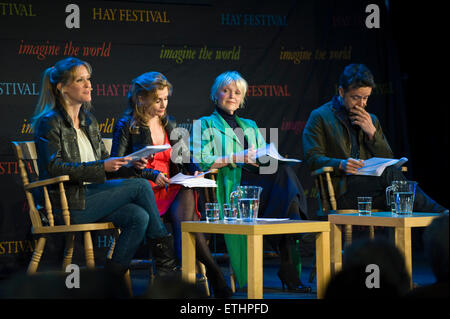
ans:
(188, 257)
(322, 262)
(403, 243)
(336, 248)
(255, 266)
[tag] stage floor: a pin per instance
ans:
(422, 275)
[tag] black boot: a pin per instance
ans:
(218, 284)
(288, 273)
(164, 257)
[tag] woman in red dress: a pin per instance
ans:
(145, 122)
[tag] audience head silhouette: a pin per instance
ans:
(370, 269)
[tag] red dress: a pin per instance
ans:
(161, 162)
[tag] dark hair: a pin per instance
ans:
(356, 76)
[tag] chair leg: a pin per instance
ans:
(89, 250)
(37, 254)
(68, 252)
(202, 271)
(348, 235)
(113, 245)
(128, 282)
(232, 280)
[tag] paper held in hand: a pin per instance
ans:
(146, 152)
(193, 181)
(375, 166)
(265, 154)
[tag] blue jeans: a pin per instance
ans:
(130, 205)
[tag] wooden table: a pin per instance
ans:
(254, 232)
(402, 227)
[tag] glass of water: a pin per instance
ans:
(212, 212)
(248, 208)
(229, 214)
(364, 206)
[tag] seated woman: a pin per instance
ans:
(145, 122)
(218, 143)
(68, 142)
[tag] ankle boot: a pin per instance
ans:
(164, 256)
(218, 284)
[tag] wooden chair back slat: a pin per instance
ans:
(25, 152)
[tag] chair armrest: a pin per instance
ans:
(320, 171)
(49, 181)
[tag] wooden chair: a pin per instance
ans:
(42, 218)
(327, 199)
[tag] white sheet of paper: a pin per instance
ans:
(146, 152)
(193, 181)
(271, 151)
(375, 166)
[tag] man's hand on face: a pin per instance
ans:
(359, 116)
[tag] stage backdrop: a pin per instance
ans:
(290, 52)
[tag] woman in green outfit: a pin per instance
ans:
(228, 143)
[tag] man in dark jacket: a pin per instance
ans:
(342, 134)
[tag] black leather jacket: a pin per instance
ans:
(58, 154)
(127, 141)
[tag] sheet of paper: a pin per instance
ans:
(146, 152)
(375, 166)
(271, 151)
(192, 181)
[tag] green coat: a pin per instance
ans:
(212, 137)
(327, 141)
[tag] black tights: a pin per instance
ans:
(284, 242)
(183, 209)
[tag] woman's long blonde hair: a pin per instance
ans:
(144, 86)
(62, 72)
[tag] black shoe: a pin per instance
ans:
(289, 279)
(164, 257)
(219, 285)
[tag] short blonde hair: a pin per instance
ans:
(226, 78)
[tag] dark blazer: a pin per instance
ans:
(58, 154)
(127, 141)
